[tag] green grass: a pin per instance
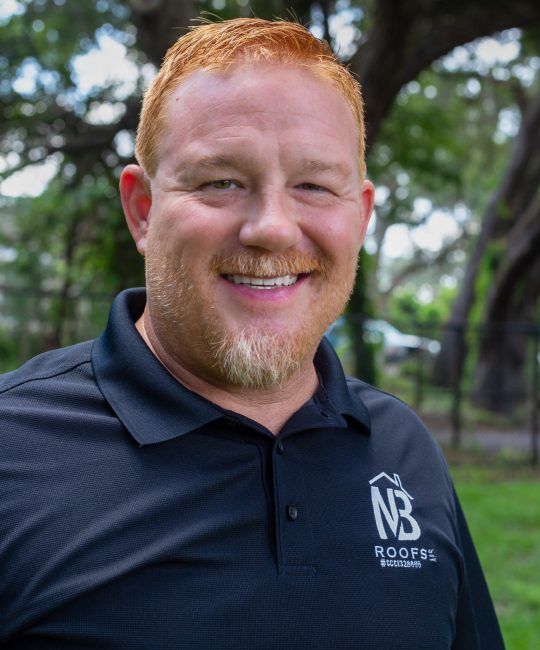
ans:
(502, 502)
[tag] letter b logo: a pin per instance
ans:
(395, 512)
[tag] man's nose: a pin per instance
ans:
(271, 224)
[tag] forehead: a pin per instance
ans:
(249, 100)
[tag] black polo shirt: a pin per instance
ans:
(135, 514)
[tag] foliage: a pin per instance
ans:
(70, 239)
(424, 150)
(406, 309)
(441, 143)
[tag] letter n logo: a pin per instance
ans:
(392, 508)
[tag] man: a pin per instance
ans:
(203, 475)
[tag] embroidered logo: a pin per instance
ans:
(393, 512)
(395, 507)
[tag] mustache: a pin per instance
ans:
(269, 265)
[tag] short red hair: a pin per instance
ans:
(221, 44)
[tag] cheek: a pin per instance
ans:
(339, 238)
(186, 222)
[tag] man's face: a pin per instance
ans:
(256, 221)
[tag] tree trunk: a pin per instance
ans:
(60, 312)
(504, 208)
(358, 310)
(398, 47)
(500, 380)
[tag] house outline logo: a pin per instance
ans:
(393, 511)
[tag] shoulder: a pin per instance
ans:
(399, 435)
(384, 408)
(48, 392)
(50, 408)
(46, 369)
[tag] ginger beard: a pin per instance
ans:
(259, 356)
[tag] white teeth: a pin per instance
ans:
(263, 283)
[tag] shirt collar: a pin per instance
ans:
(333, 388)
(155, 407)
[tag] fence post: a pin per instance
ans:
(535, 406)
(419, 383)
(457, 364)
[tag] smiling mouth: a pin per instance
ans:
(263, 283)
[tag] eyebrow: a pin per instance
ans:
(226, 161)
(323, 167)
(214, 161)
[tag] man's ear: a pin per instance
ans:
(136, 202)
(367, 200)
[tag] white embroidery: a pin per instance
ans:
(393, 512)
(399, 520)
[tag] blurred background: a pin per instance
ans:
(446, 311)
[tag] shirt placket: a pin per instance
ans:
(293, 525)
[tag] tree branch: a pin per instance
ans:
(407, 39)
(160, 23)
(420, 262)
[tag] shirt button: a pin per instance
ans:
(292, 513)
(280, 448)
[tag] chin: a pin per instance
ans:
(254, 360)
(262, 358)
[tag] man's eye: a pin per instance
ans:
(311, 187)
(224, 184)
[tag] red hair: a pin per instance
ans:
(219, 45)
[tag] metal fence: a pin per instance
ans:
(487, 393)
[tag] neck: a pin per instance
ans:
(271, 407)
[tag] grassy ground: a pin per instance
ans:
(501, 499)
